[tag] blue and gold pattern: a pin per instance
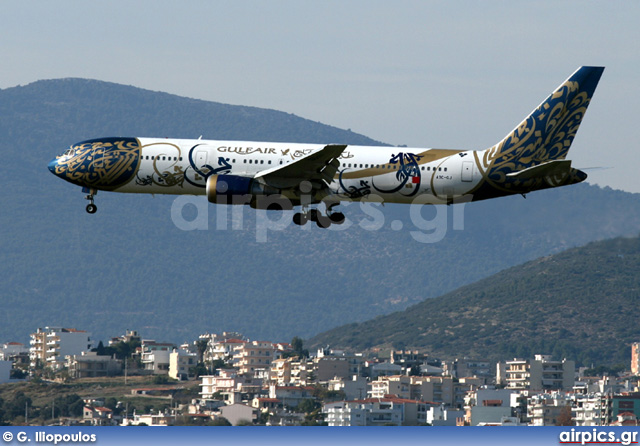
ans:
(105, 164)
(408, 169)
(545, 135)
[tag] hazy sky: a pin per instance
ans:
(449, 74)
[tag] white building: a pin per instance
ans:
(376, 412)
(155, 356)
(547, 409)
(238, 413)
(180, 362)
(229, 384)
(354, 388)
(92, 365)
(540, 373)
(441, 416)
(11, 349)
(254, 356)
(590, 409)
(50, 345)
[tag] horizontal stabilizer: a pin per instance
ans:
(555, 167)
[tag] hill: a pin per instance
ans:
(131, 267)
(580, 304)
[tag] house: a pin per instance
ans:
(155, 356)
(291, 396)
(92, 365)
(238, 413)
(159, 419)
(99, 416)
(488, 406)
(441, 416)
(625, 419)
(266, 404)
(129, 336)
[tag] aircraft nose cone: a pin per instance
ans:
(52, 165)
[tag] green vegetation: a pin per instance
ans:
(580, 304)
(46, 402)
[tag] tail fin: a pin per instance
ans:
(547, 133)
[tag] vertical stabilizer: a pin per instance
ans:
(546, 134)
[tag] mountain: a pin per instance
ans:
(133, 266)
(580, 304)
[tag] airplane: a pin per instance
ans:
(269, 175)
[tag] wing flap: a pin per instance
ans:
(321, 165)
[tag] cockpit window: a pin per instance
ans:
(69, 152)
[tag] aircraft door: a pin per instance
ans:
(467, 171)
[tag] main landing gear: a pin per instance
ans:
(91, 208)
(323, 221)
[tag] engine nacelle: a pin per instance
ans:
(235, 189)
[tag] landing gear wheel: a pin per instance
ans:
(323, 222)
(313, 215)
(300, 219)
(92, 208)
(337, 218)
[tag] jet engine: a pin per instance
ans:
(235, 189)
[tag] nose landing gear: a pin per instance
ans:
(91, 207)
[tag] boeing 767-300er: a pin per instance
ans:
(280, 175)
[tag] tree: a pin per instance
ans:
(564, 419)
(307, 406)
(297, 344)
(220, 421)
(201, 345)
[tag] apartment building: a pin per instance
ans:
(540, 373)
(253, 356)
(376, 412)
(181, 362)
(50, 345)
(635, 358)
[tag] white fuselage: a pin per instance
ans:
(173, 166)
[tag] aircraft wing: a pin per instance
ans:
(317, 167)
